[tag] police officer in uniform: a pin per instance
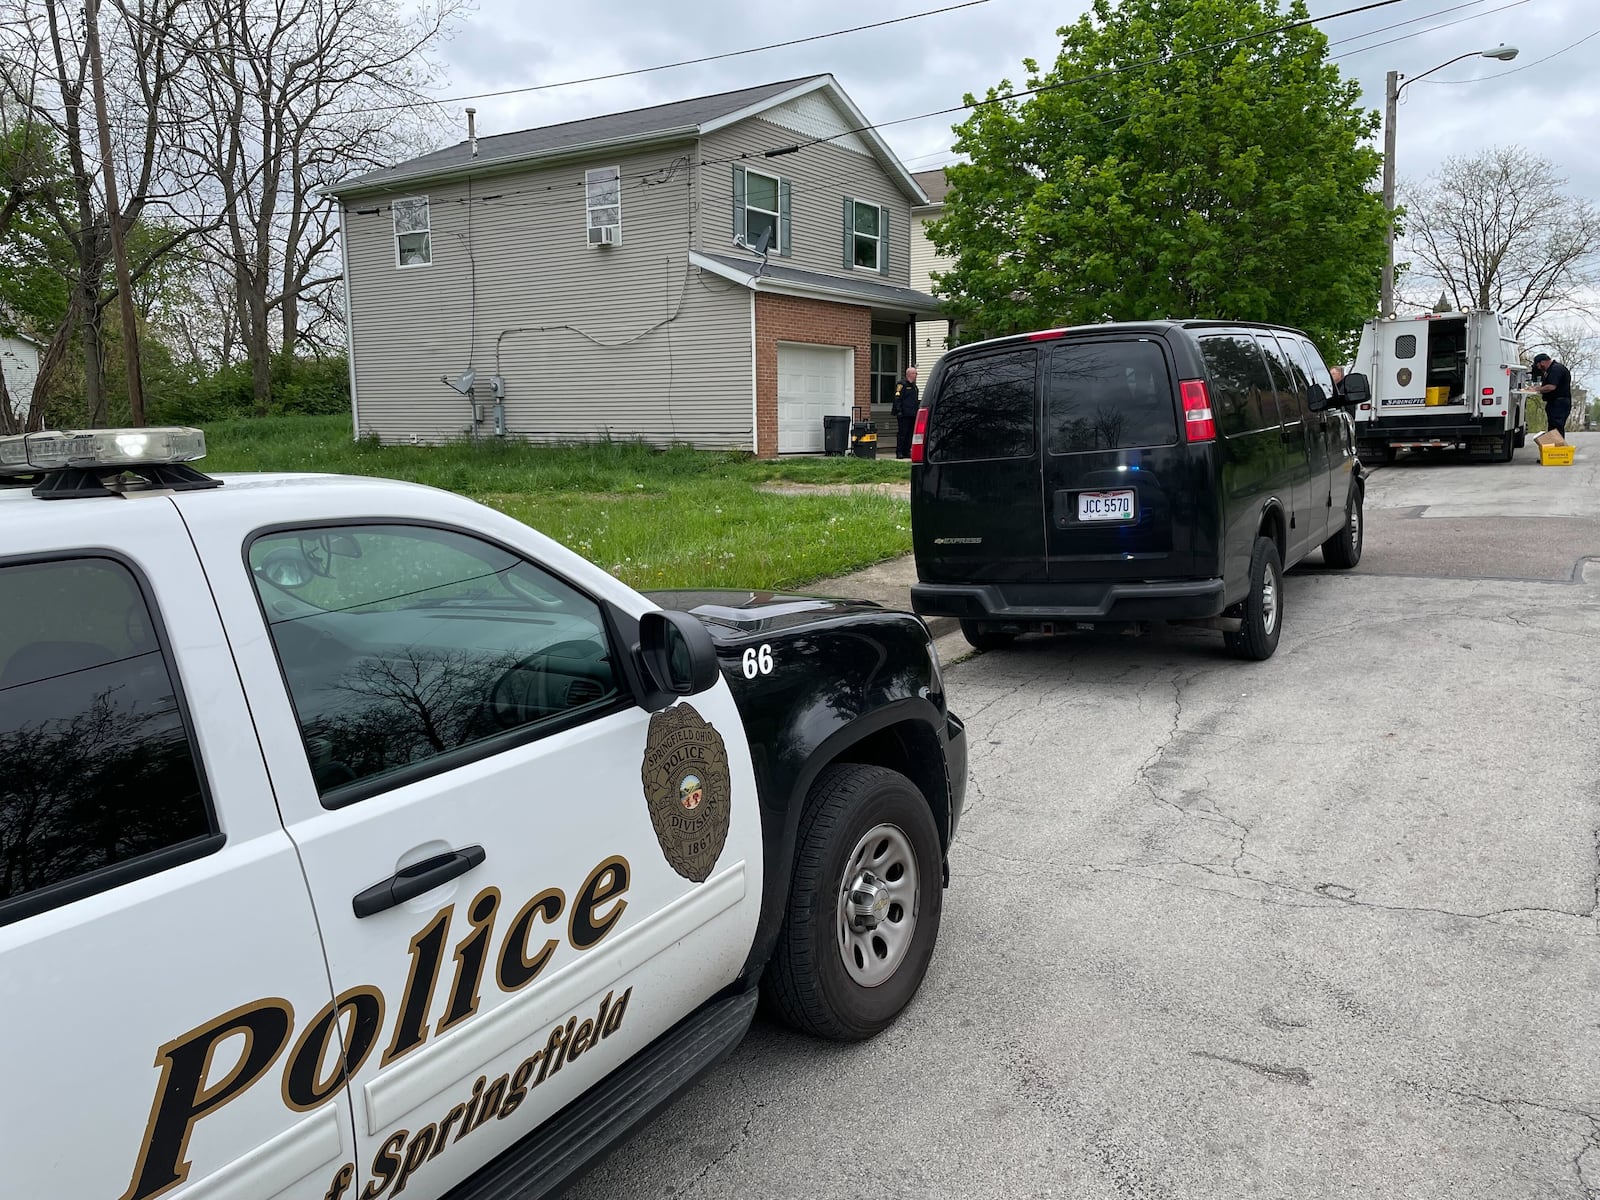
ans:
(906, 401)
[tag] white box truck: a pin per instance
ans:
(1441, 380)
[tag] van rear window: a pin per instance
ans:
(985, 408)
(1109, 396)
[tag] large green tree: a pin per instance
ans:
(1183, 158)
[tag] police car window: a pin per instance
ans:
(99, 772)
(406, 647)
(985, 408)
(1109, 395)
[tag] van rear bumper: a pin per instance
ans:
(1120, 601)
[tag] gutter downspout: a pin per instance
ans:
(349, 326)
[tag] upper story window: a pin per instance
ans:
(602, 189)
(761, 208)
(866, 236)
(413, 238)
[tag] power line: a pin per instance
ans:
(1431, 29)
(687, 62)
(1162, 60)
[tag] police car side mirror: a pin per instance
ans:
(1357, 390)
(677, 657)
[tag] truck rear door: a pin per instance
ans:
(161, 975)
(1122, 488)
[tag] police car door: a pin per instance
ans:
(491, 827)
(157, 942)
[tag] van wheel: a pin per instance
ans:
(986, 637)
(1263, 607)
(864, 906)
(1343, 549)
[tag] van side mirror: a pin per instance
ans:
(1317, 399)
(1357, 391)
(677, 658)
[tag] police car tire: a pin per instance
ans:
(806, 983)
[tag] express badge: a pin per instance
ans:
(685, 776)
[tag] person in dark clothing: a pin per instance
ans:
(1556, 384)
(906, 401)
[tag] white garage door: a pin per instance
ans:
(813, 382)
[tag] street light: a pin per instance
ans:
(1393, 88)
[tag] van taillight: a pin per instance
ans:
(1198, 423)
(919, 435)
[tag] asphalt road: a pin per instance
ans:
(1324, 926)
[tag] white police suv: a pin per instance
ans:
(358, 841)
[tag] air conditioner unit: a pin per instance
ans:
(605, 235)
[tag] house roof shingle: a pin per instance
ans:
(636, 124)
(934, 183)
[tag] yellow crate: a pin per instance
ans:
(1555, 456)
(1438, 396)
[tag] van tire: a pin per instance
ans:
(1343, 549)
(1263, 607)
(985, 637)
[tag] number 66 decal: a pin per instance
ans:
(757, 662)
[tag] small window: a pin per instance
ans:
(406, 649)
(602, 189)
(761, 209)
(865, 227)
(413, 237)
(1241, 390)
(100, 776)
(1110, 396)
(1405, 346)
(985, 408)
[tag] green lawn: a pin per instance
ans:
(673, 518)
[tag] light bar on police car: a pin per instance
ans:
(92, 449)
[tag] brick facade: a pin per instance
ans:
(821, 322)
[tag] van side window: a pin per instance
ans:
(1288, 376)
(1241, 389)
(1317, 369)
(1108, 396)
(985, 408)
(99, 769)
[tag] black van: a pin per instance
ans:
(1125, 472)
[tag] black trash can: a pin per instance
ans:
(835, 435)
(864, 439)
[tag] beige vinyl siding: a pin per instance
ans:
(931, 335)
(820, 178)
(594, 354)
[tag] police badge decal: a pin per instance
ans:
(685, 776)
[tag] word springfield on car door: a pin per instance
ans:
(185, 1092)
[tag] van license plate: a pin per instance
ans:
(1105, 506)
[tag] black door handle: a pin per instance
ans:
(412, 881)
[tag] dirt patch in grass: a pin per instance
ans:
(899, 491)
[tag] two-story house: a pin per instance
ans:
(723, 271)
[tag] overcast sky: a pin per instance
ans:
(1551, 108)
(919, 66)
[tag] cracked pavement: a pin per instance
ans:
(1324, 926)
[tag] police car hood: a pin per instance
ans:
(739, 612)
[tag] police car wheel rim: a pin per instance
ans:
(877, 917)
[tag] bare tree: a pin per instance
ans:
(1498, 230)
(296, 94)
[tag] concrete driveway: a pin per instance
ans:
(1323, 926)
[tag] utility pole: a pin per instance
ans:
(1391, 104)
(119, 251)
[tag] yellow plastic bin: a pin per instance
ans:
(1438, 396)
(1555, 456)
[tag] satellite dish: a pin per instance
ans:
(462, 382)
(763, 242)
